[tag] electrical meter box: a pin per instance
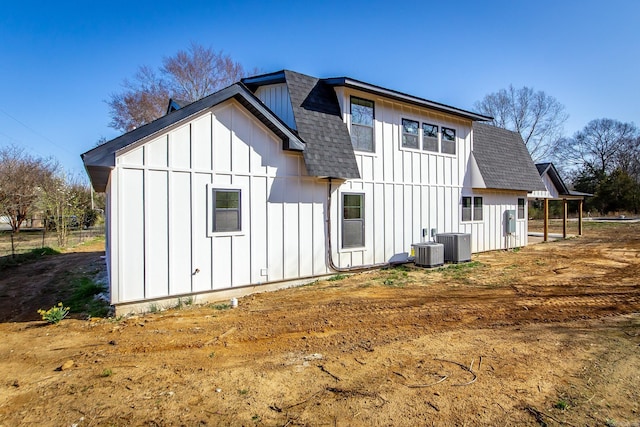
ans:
(510, 221)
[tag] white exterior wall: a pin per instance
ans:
(407, 190)
(160, 234)
(550, 193)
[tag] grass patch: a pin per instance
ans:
(32, 255)
(82, 298)
(223, 306)
(337, 277)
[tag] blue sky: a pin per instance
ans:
(59, 61)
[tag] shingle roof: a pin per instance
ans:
(99, 161)
(328, 150)
(503, 159)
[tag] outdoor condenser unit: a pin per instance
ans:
(430, 254)
(457, 246)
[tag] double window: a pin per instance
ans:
(352, 220)
(430, 132)
(362, 114)
(472, 208)
(226, 210)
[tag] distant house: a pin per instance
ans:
(283, 177)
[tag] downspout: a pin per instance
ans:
(329, 255)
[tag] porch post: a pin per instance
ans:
(564, 218)
(580, 216)
(546, 220)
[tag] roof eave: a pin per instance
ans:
(399, 96)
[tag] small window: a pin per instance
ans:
(466, 208)
(472, 211)
(429, 137)
(226, 212)
(448, 140)
(410, 134)
(362, 111)
(521, 205)
(477, 208)
(352, 220)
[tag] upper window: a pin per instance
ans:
(472, 208)
(448, 144)
(429, 137)
(521, 207)
(352, 220)
(410, 134)
(226, 212)
(362, 111)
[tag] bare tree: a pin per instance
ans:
(189, 75)
(536, 116)
(602, 146)
(22, 177)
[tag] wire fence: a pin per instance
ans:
(29, 239)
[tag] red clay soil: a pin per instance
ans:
(547, 335)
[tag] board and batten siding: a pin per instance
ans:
(550, 193)
(277, 98)
(161, 208)
(405, 190)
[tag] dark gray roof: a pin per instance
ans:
(99, 161)
(393, 94)
(555, 177)
(503, 159)
(328, 150)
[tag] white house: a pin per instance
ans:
(284, 177)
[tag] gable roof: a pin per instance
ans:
(503, 159)
(556, 179)
(100, 160)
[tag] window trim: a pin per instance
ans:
(361, 219)
(403, 133)
(443, 140)
(211, 209)
(372, 127)
(436, 138)
(473, 208)
(524, 208)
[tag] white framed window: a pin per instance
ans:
(362, 131)
(225, 210)
(410, 134)
(352, 220)
(521, 208)
(448, 140)
(430, 137)
(471, 208)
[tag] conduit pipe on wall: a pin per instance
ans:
(329, 253)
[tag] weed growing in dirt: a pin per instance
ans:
(561, 404)
(212, 355)
(153, 308)
(461, 271)
(256, 418)
(337, 277)
(55, 314)
(106, 373)
(243, 392)
(83, 297)
(220, 306)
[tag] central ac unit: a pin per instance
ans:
(457, 246)
(430, 254)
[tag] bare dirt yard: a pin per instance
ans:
(547, 335)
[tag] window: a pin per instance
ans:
(521, 205)
(466, 208)
(410, 135)
(448, 141)
(429, 137)
(472, 211)
(226, 210)
(362, 124)
(352, 220)
(477, 208)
